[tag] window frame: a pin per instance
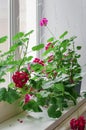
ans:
(13, 22)
(39, 30)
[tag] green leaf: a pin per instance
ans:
(47, 51)
(53, 100)
(59, 87)
(50, 39)
(29, 58)
(64, 34)
(15, 46)
(41, 100)
(2, 94)
(26, 60)
(36, 84)
(71, 97)
(78, 47)
(25, 39)
(77, 56)
(32, 105)
(11, 85)
(48, 84)
(38, 47)
(18, 36)
(29, 33)
(37, 67)
(53, 112)
(44, 93)
(72, 38)
(3, 39)
(12, 69)
(64, 45)
(11, 95)
(2, 80)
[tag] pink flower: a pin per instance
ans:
(50, 58)
(48, 46)
(38, 61)
(43, 22)
(28, 67)
(27, 98)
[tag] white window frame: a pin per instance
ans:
(39, 29)
(13, 20)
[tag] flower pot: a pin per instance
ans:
(78, 88)
(8, 110)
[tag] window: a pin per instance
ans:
(16, 16)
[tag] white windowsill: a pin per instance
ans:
(42, 121)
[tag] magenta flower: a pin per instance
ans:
(27, 98)
(78, 124)
(43, 22)
(74, 124)
(28, 67)
(20, 78)
(50, 58)
(48, 46)
(38, 61)
(82, 123)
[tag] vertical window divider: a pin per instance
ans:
(39, 32)
(13, 24)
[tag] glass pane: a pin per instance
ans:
(28, 20)
(4, 29)
(3, 22)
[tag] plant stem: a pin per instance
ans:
(24, 54)
(51, 32)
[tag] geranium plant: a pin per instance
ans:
(47, 82)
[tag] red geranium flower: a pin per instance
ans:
(78, 124)
(74, 124)
(20, 78)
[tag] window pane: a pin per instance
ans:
(27, 20)
(4, 30)
(3, 22)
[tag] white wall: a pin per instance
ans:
(68, 15)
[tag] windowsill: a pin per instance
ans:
(42, 121)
